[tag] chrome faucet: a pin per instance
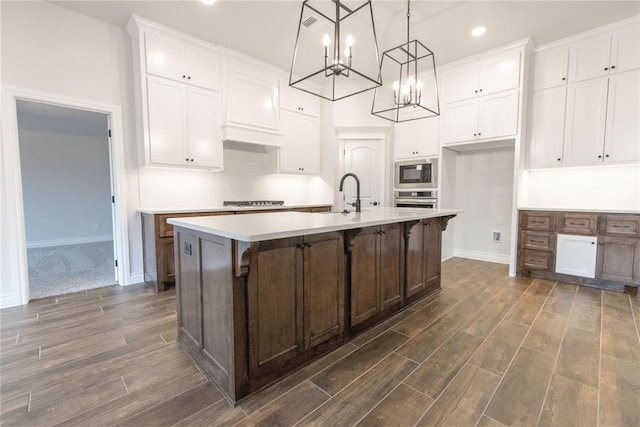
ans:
(357, 203)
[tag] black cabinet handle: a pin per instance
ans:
(599, 156)
(613, 66)
(475, 134)
(186, 160)
(606, 68)
(189, 78)
(559, 159)
(480, 90)
(479, 134)
(192, 160)
(564, 78)
(606, 155)
(184, 76)
(476, 90)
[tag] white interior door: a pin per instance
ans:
(363, 158)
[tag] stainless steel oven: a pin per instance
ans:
(420, 173)
(416, 199)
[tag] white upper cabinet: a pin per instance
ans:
(300, 152)
(299, 101)
(252, 113)
(300, 124)
(622, 136)
(605, 54)
(546, 130)
(550, 68)
(493, 74)
(417, 138)
(492, 116)
(585, 123)
(178, 60)
(177, 82)
(600, 112)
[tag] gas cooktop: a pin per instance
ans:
(254, 203)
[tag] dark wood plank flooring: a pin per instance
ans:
(486, 350)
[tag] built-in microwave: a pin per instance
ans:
(420, 173)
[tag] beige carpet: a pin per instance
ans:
(58, 270)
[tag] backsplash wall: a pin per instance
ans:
(248, 175)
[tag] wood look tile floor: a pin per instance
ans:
(486, 350)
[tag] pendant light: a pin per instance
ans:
(411, 91)
(336, 51)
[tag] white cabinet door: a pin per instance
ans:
(461, 121)
(300, 152)
(589, 58)
(202, 67)
(164, 56)
(625, 49)
(417, 138)
(585, 121)
(499, 72)
(498, 115)
(298, 101)
(204, 131)
(167, 122)
(309, 151)
(550, 68)
(576, 255)
(462, 83)
(622, 137)
(546, 131)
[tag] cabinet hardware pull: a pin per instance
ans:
(189, 78)
(593, 243)
(307, 245)
(620, 226)
(475, 134)
(613, 66)
(564, 78)
(599, 156)
(184, 76)
(476, 90)
(480, 90)
(606, 68)
(479, 134)
(186, 160)
(191, 160)
(559, 159)
(606, 155)
(299, 246)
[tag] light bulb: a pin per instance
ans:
(410, 80)
(396, 85)
(326, 40)
(349, 40)
(419, 85)
(347, 51)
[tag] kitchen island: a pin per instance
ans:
(259, 295)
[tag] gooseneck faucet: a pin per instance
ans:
(357, 203)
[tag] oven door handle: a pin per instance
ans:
(416, 202)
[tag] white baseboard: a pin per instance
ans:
(70, 241)
(134, 279)
(7, 300)
(447, 258)
(482, 256)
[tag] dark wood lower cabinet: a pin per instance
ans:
(424, 254)
(619, 259)
(249, 313)
(376, 263)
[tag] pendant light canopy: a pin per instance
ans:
(336, 52)
(410, 89)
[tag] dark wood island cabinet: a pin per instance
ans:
(254, 307)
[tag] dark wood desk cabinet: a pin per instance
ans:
(157, 242)
(617, 255)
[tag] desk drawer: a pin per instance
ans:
(537, 260)
(620, 225)
(578, 223)
(540, 221)
(538, 240)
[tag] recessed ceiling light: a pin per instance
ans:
(208, 2)
(478, 31)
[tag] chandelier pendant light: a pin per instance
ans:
(336, 51)
(413, 90)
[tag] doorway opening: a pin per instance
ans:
(67, 192)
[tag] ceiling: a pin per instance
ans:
(266, 29)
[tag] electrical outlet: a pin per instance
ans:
(497, 236)
(187, 248)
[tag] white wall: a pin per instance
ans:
(484, 188)
(66, 187)
(611, 187)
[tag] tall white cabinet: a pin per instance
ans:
(177, 83)
(586, 101)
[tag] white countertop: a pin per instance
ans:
(158, 211)
(613, 211)
(278, 225)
